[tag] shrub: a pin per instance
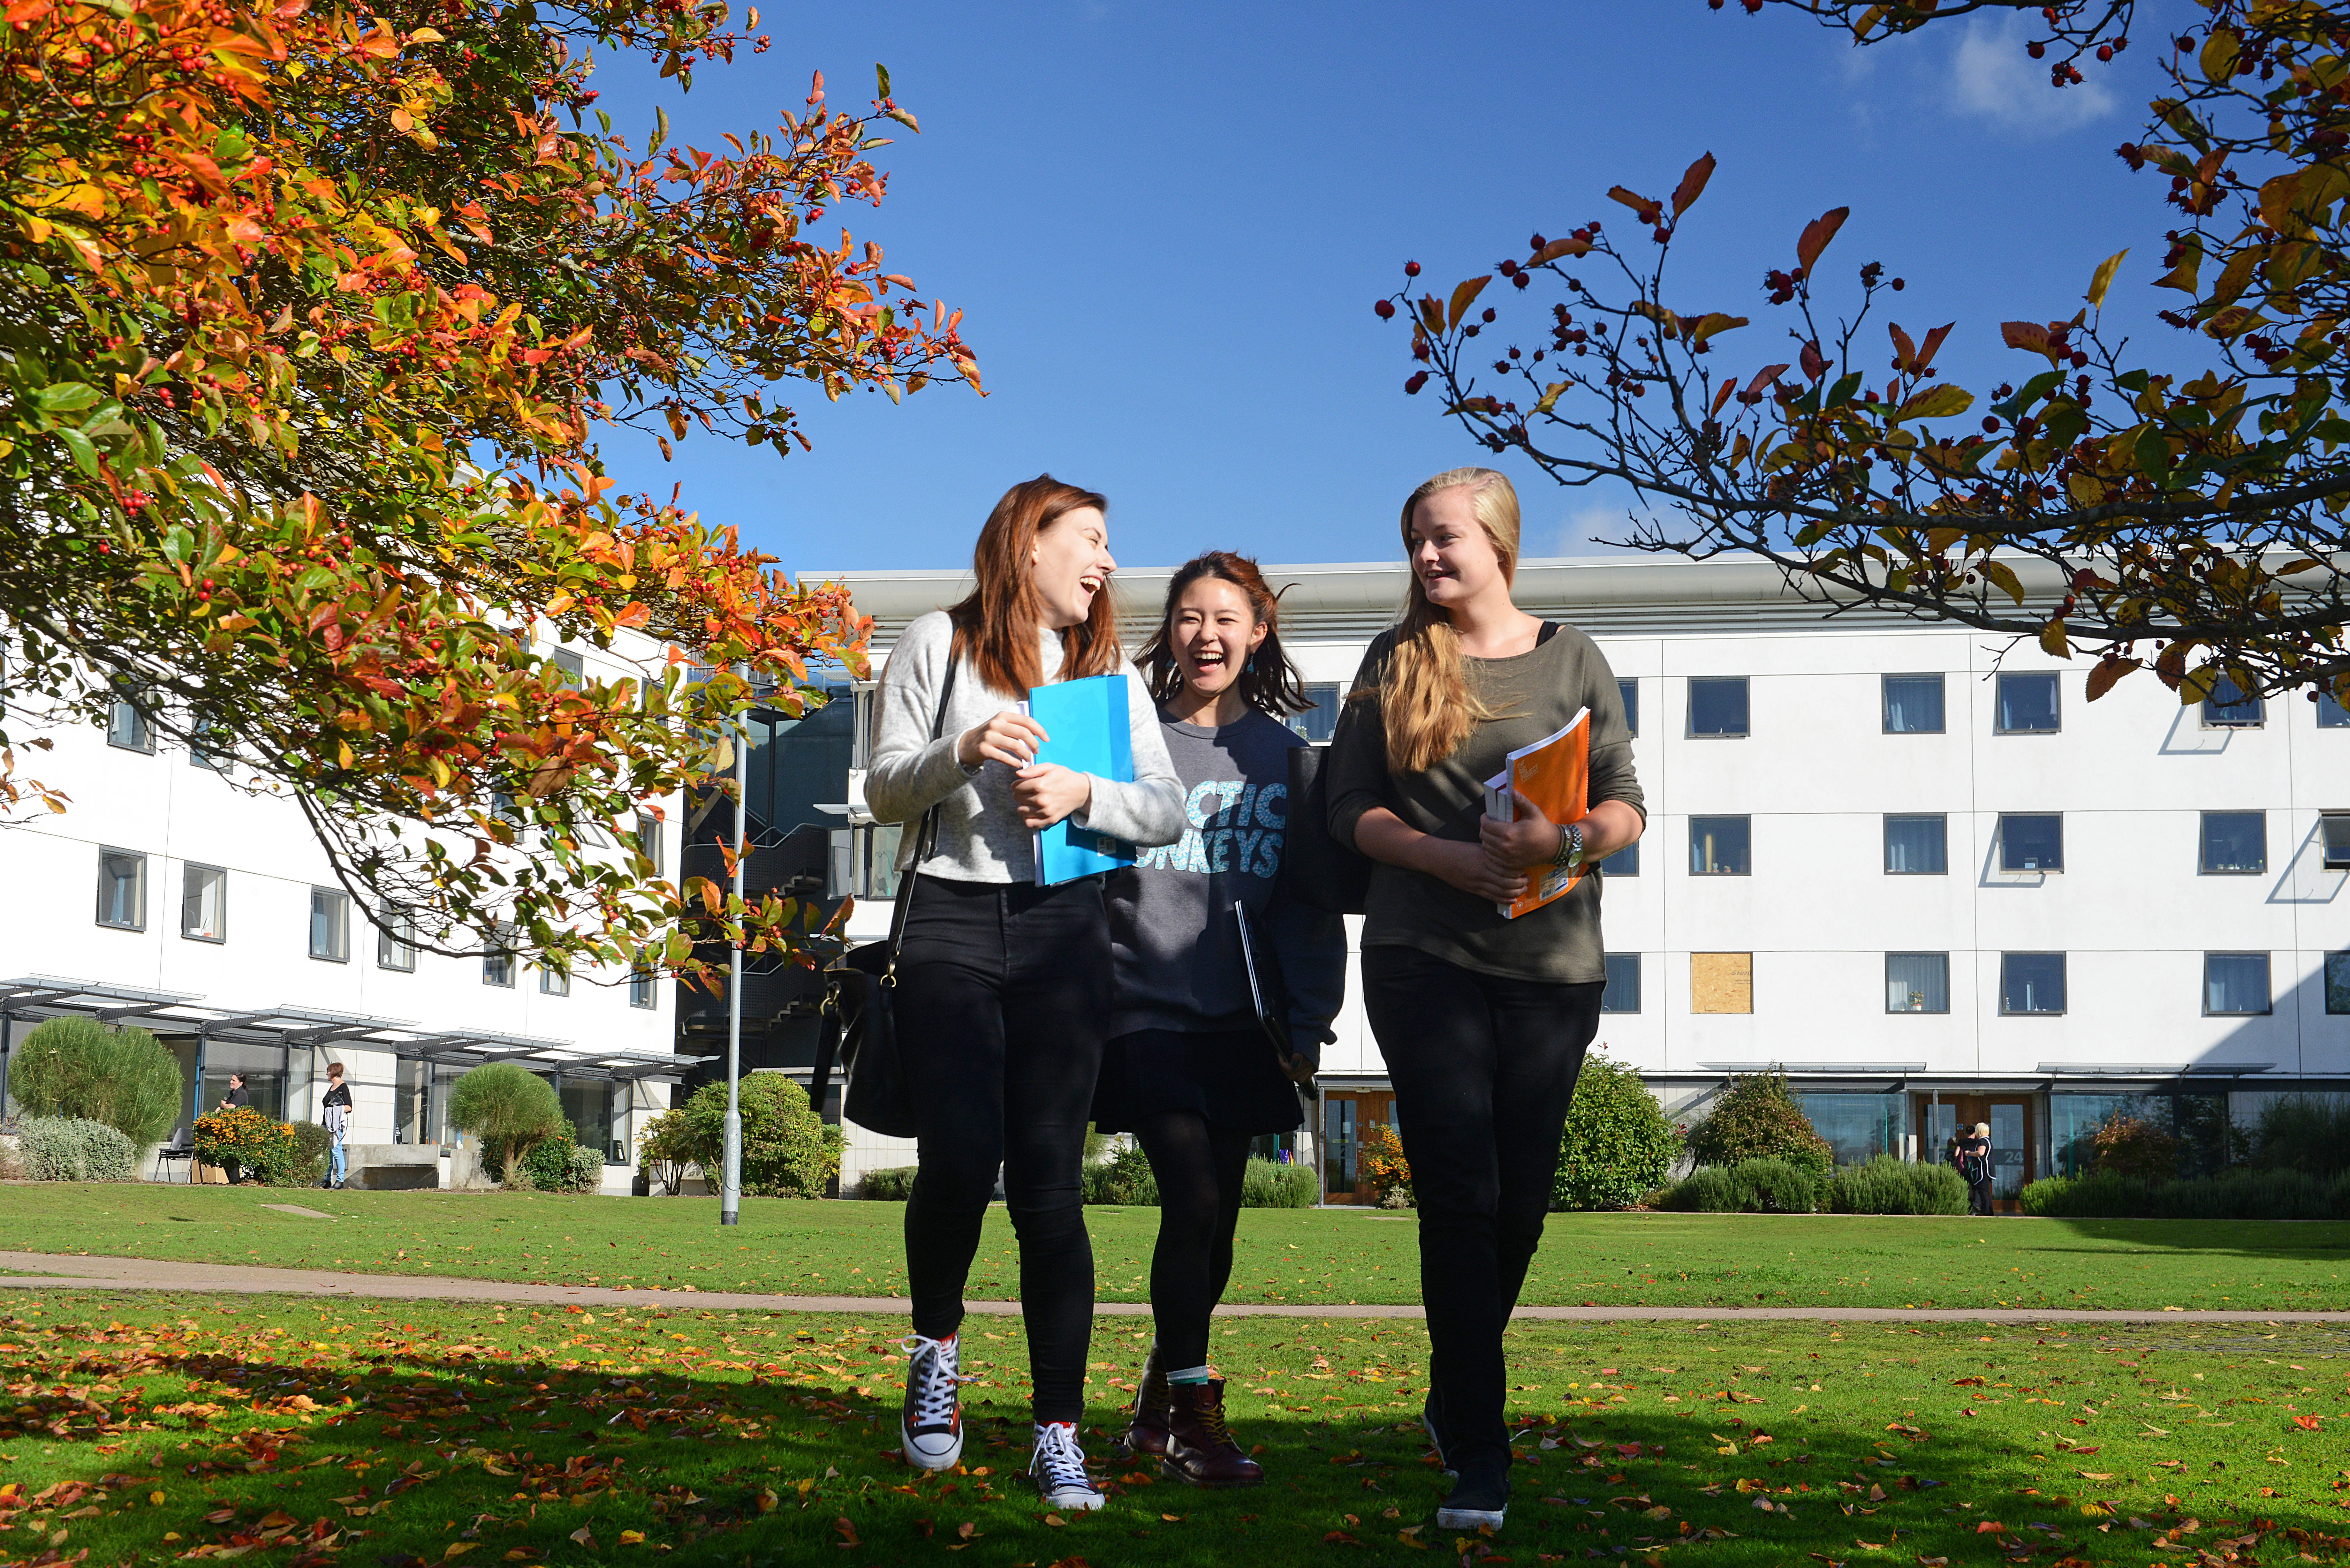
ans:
(2305, 1133)
(1125, 1178)
(1382, 1168)
(2233, 1195)
(269, 1150)
(78, 1068)
(1890, 1185)
(508, 1108)
(1780, 1187)
(894, 1184)
(787, 1150)
(75, 1149)
(562, 1164)
(1269, 1184)
(1709, 1189)
(664, 1150)
(1756, 1117)
(2129, 1145)
(308, 1165)
(1618, 1144)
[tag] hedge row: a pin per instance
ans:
(1885, 1185)
(2231, 1194)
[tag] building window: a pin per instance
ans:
(2333, 840)
(2235, 842)
(1623, 992)
(1629, 691)
(498, 965)
(640, 986)
(204, 903)
(330, 925)
(1721, 846)
(1917, 982)
(553, 981)
(211, 747)
(1913, 705)
(1320, 721)
(127, 726)
(574, 667)
(395, 942)
(1625, 862)
(2331, 714)
(123, 889)
(649, 839)
(2028, 704)
(2032, 983)
(2229, 709)
(1858, 1127)
(2235, 985)
(1717, 705)
(1916, 846)
(2030, 841)
(1721, 982)
(2337, 983)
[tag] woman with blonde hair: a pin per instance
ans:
(1003, 986)
(1483, 1020)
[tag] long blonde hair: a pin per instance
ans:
(1425, 702)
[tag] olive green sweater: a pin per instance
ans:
(1536, 693)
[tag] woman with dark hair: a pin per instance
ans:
(1483, 1020)
(1003, 984)
(1188, 1069)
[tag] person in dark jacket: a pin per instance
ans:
(1190, 1069)
(238, 1097)
(1971, 1154)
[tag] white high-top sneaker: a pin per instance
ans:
(929, 1424)
(1058, 1469)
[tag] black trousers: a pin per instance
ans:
(1484, 1070)
(1979, 1196)
(1004, 993)
(1199, 1168)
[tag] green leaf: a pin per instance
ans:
(64, 397)
(85, 455)
(881, 79)
(1937, 403)
(660, 130)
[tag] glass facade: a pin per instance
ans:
(596, 1108)
(1717, 705)
(1858, 1127)
(1913, 705)
(1916, 846)
(2200, 1122)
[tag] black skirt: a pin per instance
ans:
(1230, 1079)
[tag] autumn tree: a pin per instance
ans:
(309, 319)
(2184, 515)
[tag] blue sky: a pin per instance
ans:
(1166, 226)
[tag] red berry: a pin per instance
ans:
(1386, 308)
(1419, 379)
(1411, 269)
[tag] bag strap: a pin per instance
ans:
(925, 837)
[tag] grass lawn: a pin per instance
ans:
(1284, 1255)
(145, 1427)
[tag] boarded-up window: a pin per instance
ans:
(1721, 982)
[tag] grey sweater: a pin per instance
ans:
(1174, 941)
(981, 838)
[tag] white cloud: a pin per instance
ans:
(1993, 77)
(1596, 528)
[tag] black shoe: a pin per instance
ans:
(1479, 1500)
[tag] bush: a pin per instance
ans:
(787, 1150)
(1125, 1178)
(894, 1184)
(1890, 1185)
(269, 1150)
(1618, 1144)
(1269, 1184)
(308, 1165)
(1749, 1187)
(78, 1068)
(664, 1148)
(2129, 1145)
(2304, 1133)
(1757, 1118)
(75, 1149)
(2233, 1195)
(508, 1108)
(1382, 1168)
(1709, 1189)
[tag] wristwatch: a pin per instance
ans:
(1570, 848)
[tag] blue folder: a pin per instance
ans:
(1090, 734)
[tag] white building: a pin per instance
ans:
(167, 898)
(1912, 866)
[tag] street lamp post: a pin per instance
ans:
(730, 1188)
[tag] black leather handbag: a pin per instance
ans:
(1316, 870)
(861, 1024)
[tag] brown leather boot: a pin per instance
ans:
(1146, 1427)
(1199, 1446)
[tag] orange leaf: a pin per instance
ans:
(1817, 233)
(1463, 298)
(1633, 200)
(1692, 184)
(2108, 670)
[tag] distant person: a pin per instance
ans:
(1190, 1069)
(1003, 985)
(1971, 1154)
(237, 1098)
(336, 1111)
(1483, 1020)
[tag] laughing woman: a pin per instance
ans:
(1003, 985)
(1483, 1020)
(1189, 1070)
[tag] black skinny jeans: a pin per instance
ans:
(1199, 1169)
(1003, 993)
(1483, 1069)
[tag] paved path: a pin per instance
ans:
(51, 1271)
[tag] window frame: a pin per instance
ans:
(2203, 866)
(2008, 870)
(2333, 840)
(138, 920)
(1747, 869)
(1625, 862)
(2259, 706)
(1745, 704)
(1886, 843)
(1628, 693)
(1885, 700)
(188, 871)
(2327, 985)
(2063, 979)
(643, 985)
(1999, 701)
(1632, 961)
(2331, 715)
(1304, 725)
(142, 737)
(340, 904)
(503, 975)
(395, 941)
(1940, 1011)
(2267, 988)
(552, 982)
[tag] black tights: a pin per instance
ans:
(1198, 1170)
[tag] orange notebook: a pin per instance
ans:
(1555, 773)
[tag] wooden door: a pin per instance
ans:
(2015, 1155)
(1349, 1117)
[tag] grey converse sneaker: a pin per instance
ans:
(929, 1424)
(1058, 1469)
